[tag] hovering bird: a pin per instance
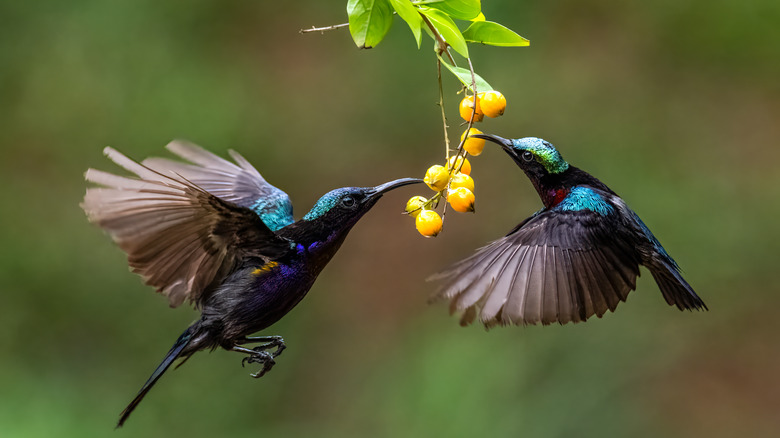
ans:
(577, 257)
(216, 234)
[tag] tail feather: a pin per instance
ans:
(676, 290)
(172, 355)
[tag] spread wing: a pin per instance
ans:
(558, 266)
(239, 182)
(179, 237)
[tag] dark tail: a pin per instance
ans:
(172, 355)
(675, 289)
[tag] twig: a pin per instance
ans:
(323, 29)
(440, 41)
(460, 152)
(443, 115)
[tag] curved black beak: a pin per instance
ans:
(505, 143)
(386, 187)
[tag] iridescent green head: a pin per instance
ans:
(532, 154)
(543, 152)
(334, 214)
(348, 204)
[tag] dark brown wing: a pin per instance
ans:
(239, 182)
(556, 267)
(177, 236)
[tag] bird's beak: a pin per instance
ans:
(505, 143)
(379, 190)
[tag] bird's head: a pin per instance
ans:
(340, 209)
(535, 156)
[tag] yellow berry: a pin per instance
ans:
(462, 180)
(455, 161)
(461, 199)
(467, 107)
(428, 223)
(436, 177)
(414, 205)
(473, 145)
(492, 103)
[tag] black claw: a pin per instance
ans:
(261, 357)
(266, 368)
(259, 354)
(279, 348)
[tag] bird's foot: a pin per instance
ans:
(259, 353)
(268, 342)
(261, 357)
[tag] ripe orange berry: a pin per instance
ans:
(461, 199)
(492, 103)
(467, 107)
(436, 177)
(455, 161)
(472, 145)
(461, 180)
(428, 223)
(414, 205)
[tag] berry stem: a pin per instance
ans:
(443, 114)
(460, 152)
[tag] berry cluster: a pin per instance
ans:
(452, 181)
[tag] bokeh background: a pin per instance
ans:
(675, 104)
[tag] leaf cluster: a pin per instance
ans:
(370, 21)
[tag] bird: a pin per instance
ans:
(216, 234)
(576, 257)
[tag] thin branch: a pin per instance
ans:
(474, 110)
(460, 152)
(446, 135)
(323, 29)
(441, 43)
(443, 115)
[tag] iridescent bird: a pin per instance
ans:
(577, 257)
(216, 234)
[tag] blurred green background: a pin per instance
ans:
(674, 104)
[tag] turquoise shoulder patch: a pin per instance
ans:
(583, 198)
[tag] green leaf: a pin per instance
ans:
(409, 14)
(447, 29)
(494, 34)
(459, 9)
(464, 76)
(369, 21)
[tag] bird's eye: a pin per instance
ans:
(348, 201)
(528, 156)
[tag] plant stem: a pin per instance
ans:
(443, 114)
(441, 43)
(323, 29)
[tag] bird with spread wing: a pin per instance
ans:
(577, 257)
(215, 233)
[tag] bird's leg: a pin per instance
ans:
(268, 342)
(262, 357)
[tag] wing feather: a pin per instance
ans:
(480, 284)
(178, 237)
(513, 310)
(239, 182)
(549, 310)
(557, 266)
(496, 295)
